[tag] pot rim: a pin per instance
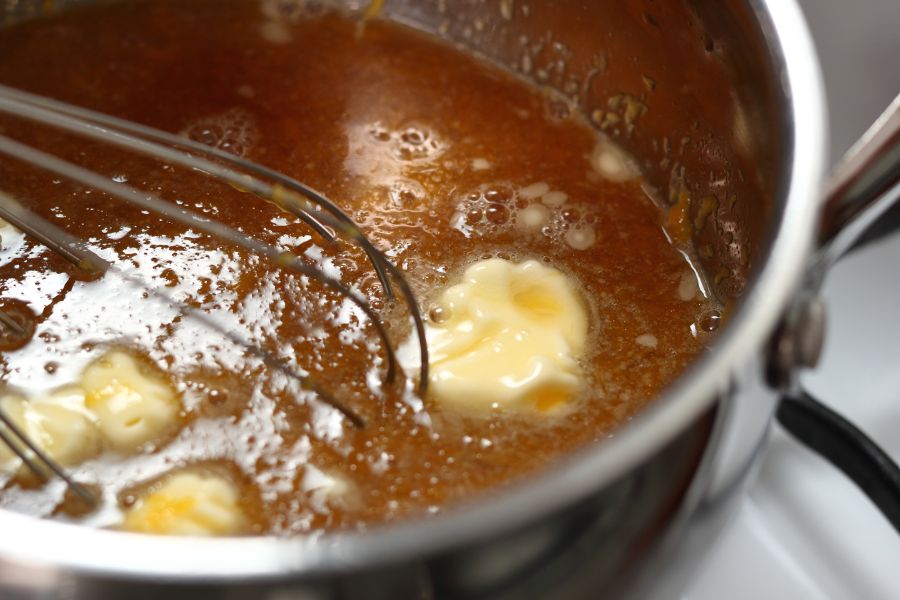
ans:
(61, 546)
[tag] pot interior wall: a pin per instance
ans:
(686, 86)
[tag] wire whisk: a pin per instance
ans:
(312, 208)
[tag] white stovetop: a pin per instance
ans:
(805, 531)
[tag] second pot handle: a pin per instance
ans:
(863, 186)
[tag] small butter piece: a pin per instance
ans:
(132, 407)
(187, 504)
(513, 336)
(57, 423)
(532, 218)
(612, 163)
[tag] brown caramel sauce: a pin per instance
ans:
(425, 147)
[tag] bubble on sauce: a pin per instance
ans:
(378, 132)
(496, 214)
(234, 131)
(415, 143)
(375, 149)
(17, 324)
(531, 210)
(710, 321)
(407, 194)
(438, 314)
(483, 212)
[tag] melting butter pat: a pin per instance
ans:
(68, 432)
(512, 335)
(57, 423)
(187, 504)
(132, 407)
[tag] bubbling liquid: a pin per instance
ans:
(442, 159)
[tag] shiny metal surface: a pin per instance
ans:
(610, 519)
(864, 185)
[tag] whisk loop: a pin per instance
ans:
(292, 196)
(11, 323)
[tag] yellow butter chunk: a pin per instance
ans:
(68, 431)
(187, 504)
(511, 334)
(132, 407)
(57, 423)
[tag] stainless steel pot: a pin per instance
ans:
(723, 103)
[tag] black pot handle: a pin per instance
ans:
(844, 445)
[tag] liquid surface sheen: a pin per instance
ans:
(442, 159)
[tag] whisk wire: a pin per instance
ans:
(75, 253)
(11, 324)
(28, 105)
(307, 383)
(190, 218)
(305, 203)
(63, 237)
(287, 193)
(14, 438)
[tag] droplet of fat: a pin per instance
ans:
(581, 237)
(532, 218)
(687, 287)
(647, 340)
(554, 198)
(612, 163)
(534, 191)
